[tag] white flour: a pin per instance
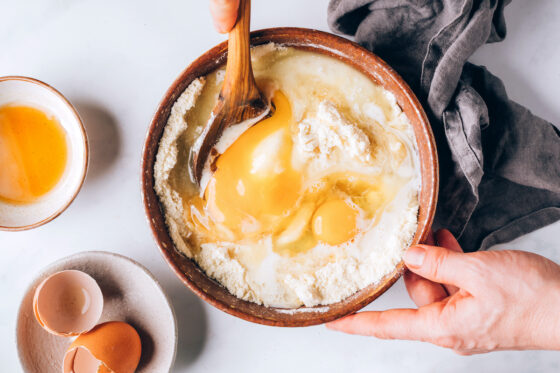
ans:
(327, 135)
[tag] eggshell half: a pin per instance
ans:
(109, 347)
(68, 303)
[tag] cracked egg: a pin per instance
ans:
(68, 303)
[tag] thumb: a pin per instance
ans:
(224, 14)
(442, 265)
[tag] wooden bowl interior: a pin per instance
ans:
(361, 59)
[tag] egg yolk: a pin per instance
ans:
(254, 185)
(255, 192)
(334, 222)
(33, 153)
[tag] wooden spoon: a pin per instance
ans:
(240, 99)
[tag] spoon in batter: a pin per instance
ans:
(240, 100)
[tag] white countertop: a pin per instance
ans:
(114, 60)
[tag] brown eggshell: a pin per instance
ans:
(109, 347)
(68, 303)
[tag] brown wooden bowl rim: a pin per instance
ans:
(308, 39)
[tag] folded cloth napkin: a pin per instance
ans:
(499, 163)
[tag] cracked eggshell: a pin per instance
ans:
(68, 303)
(111, 347)
(130, 293)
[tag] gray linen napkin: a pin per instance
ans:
(499, 163)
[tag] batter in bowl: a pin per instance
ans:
(309, 205)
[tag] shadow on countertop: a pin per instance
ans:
(104, 137)
(191, 323)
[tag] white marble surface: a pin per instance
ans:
(114, 60)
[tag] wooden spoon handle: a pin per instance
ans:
(239, 82)
(239, 99)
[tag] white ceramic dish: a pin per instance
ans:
(130, 293)
(32, 92)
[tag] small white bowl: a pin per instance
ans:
(131, 294)
(32, 92)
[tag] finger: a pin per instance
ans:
(422, 291)
(420, 324)
(441, 265)
(224, 14)
(446, 239)
(430, 240)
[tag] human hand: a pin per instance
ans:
(224, 14)
(471, 303)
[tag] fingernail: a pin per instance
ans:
(414, 256)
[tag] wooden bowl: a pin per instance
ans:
(359, 58)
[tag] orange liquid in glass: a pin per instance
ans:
(33, 153)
